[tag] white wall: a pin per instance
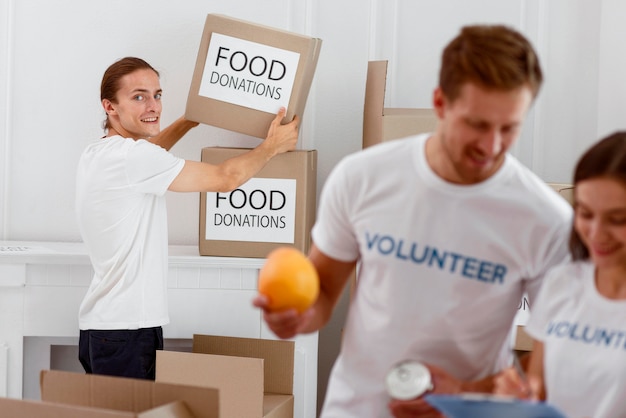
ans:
(53, 54)
(612, 67)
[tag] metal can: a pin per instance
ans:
(407, 380)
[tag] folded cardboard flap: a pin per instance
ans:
(17, 408)
(225, 112)
(384, 124)
(176, 409)
(277, 406)
(374, 103)
(278, 357)
(239, 380)
(254, 376)
(124, 394)
(403, 122)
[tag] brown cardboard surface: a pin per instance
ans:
(240, 118)
(300, 165)
(16, 408)
(523, 341)
(384, 124)
(266, 367)
(122, 394)
(239, 380)
(277, 356)
(175, 409)
(564, 189)
(403, 122)
(277, 406)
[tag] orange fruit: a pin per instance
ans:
(288, 280)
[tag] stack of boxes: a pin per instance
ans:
(243, 75)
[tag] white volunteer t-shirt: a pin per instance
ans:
(442, 266)
(122, 218)
(584, 337)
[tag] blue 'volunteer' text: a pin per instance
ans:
(466, 266)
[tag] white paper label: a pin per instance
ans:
(248, 74)
(261, 210)
(523, 311)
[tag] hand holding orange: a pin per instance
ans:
(289, 280)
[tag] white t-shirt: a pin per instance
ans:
(442, 266)
(584, 337)
(120, 203)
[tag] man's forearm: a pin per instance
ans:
(170, 135)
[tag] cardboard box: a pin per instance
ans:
(384, 124)
(275, 208)
(564, 189)
(245, 72)
(254, 377)
(523, 341)
(124, 397)
(15, 408)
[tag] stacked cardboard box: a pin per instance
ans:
(384, 124)
(254, 377)
(275, 208)
(245, 72)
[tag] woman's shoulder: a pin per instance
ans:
(569, 277)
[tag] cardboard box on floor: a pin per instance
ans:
(276, 208)
(68, 394)
(16, 408)
(254, 377)
(245, 72)
(384, 124)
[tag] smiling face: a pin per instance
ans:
(136, 111)
(600, 220)
(475, 131)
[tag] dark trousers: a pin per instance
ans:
(125, 353)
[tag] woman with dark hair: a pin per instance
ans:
(578, 322)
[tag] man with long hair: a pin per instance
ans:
(120, 202)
